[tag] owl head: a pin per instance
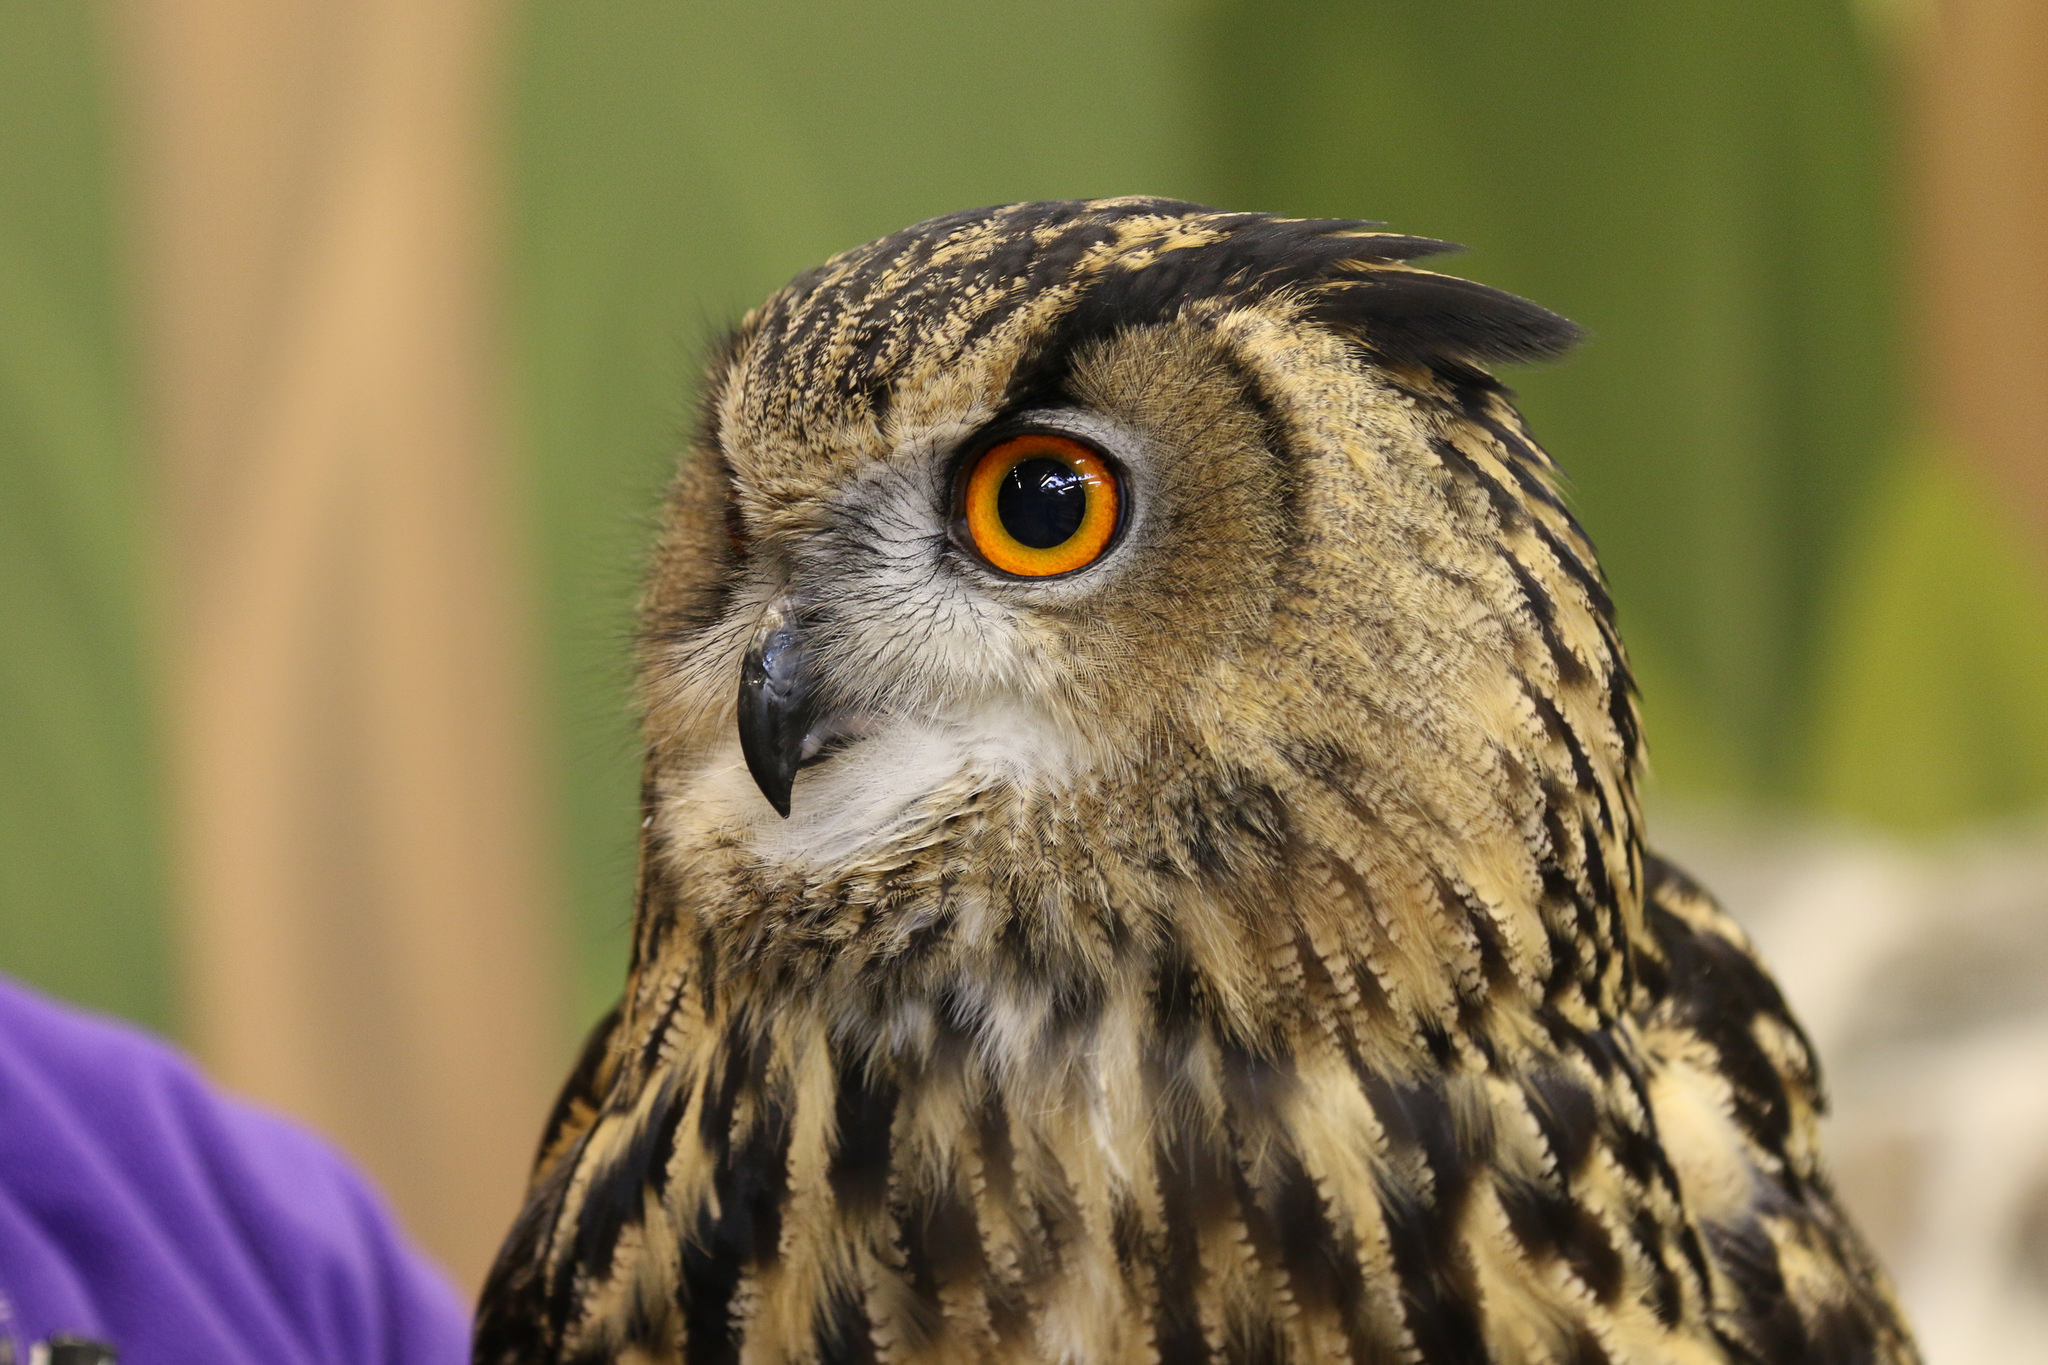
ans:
(1083, 552)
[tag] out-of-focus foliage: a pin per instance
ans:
(81, 906)
(1936, 689)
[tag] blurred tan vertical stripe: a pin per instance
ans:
(1981, 163)
(357, 826)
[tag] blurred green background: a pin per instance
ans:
(1831, 617)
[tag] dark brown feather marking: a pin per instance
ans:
(866, 1114)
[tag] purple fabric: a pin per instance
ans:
(141, 1207)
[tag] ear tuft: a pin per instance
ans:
(1416, 316)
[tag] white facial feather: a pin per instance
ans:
(953, 692)
(881, 788)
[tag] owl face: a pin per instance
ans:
(1011, 597)
(1028, 501)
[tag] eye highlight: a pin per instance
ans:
(1038, 505)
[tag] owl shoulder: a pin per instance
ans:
(1737, 1097)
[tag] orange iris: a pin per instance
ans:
(1036, 505)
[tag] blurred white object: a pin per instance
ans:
(1921, 972)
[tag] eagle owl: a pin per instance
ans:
(1141, 858)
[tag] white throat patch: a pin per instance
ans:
(883, 788)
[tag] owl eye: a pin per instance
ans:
(1038, 505)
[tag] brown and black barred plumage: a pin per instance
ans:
(1240, 949)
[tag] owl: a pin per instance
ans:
(1140, 857)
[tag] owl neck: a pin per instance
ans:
(1282, 905)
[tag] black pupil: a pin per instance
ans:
(1041, 502)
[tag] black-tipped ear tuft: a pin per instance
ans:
(1351, 241)
(1416, 316)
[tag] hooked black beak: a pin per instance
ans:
(776, 704)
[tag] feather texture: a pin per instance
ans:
(1319, 1003)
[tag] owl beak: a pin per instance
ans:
(776, 704)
